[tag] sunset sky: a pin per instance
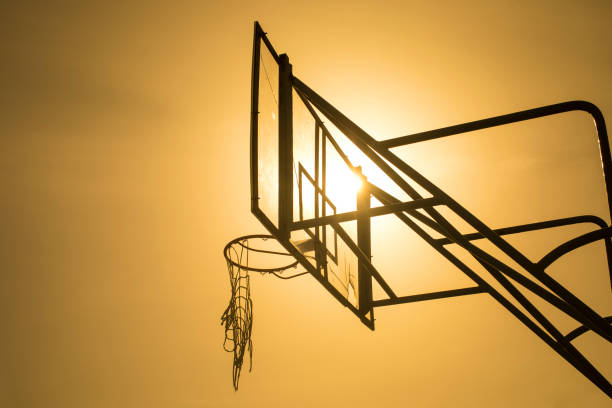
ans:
(124, 152)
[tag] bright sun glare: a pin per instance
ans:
(343, 186)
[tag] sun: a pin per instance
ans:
(343, 185)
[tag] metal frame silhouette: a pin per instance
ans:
(531, 276)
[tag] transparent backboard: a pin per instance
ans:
(323, 184)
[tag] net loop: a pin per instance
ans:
(238, 316)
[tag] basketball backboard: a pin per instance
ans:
(299, 174)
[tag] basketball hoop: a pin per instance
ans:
(238, 316)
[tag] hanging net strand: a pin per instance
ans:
(238, 316)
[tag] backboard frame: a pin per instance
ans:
(285, 225)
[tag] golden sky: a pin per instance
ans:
(124, 156)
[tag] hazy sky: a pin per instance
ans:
(124, 168)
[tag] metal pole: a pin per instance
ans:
(285, 147)
(364, 243)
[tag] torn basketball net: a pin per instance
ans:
(238, 316)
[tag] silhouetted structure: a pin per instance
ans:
(281, 174)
